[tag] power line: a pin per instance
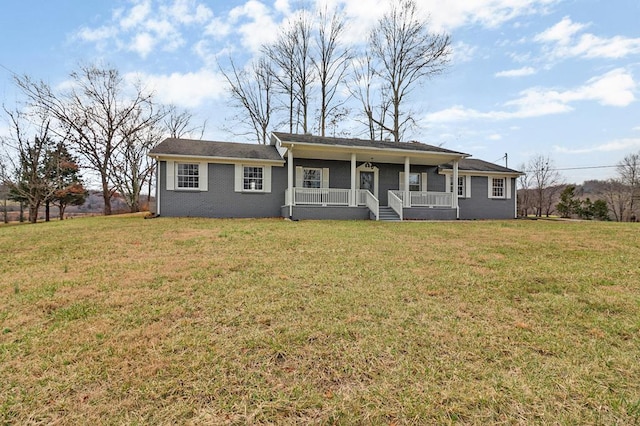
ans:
(558, 169)
(585, 168)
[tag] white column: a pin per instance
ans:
(407, 172)
(354, 191)
(454, 198)
(158, 187)
(290, 179)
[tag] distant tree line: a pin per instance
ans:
(98, 123)
(303, 79)
(542, 192)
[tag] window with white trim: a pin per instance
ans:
(498, 188)
(312, 178)
(414, 182)
(253, 178)
(188, 176)
(462, 183)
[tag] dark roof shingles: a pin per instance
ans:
(475, 165)
(200, 148)
(365, 143)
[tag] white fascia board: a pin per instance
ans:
(362, 149)
(219, 160)
(479, 173)
(275, 141)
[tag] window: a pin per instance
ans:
(188, 176)
(497, 188)
(312, 178)
(253, 178)
(461, 185)
(417, 182)
(414, 182)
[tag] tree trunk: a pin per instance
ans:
(33, 213)
(106, 195)
(21, 219)
(61, 208)
(46, 211)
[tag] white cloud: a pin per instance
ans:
(187, 90)
(137, 15)
(615, 88)
(564, 40)
(255, 24)
(520, 72)
(143, 44)
(187, 12)
(488, 13)
(462, 52)
(494, 137)
(562, 32)
(97, 35)
(145, 27)
(615, 145)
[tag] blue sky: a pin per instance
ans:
(528, 77)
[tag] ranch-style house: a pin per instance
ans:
(312, 177)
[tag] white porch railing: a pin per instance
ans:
(362, 197)
(425, 199)
(322, 196)
(395, 203)
(373, 204)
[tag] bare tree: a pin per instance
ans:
(178, 124)
(252, 92)
(290, 55)
(130, 165)
(617, 197)
(303, 76)
(406, 53)
(331, 64)
(375, 104)
(524, 192)
(629, 173)
(29, 180)
(98, 111)
(282, 54)
(545, 180)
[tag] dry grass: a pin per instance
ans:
(123, 320)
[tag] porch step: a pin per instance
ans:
(388, 214)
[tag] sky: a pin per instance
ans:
(557, 78)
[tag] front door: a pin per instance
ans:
(367, 181)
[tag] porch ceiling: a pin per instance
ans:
(374, 155)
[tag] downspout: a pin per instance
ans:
(455, 189)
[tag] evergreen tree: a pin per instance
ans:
(568, 204)
(64, 175)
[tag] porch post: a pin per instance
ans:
(290, 179)
(354, 194)
(454, 198)
(407, 171)
(158, 187)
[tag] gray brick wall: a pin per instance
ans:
(479, 206)
(221, 200)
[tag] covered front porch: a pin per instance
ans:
(375, 181)
(405, 204)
